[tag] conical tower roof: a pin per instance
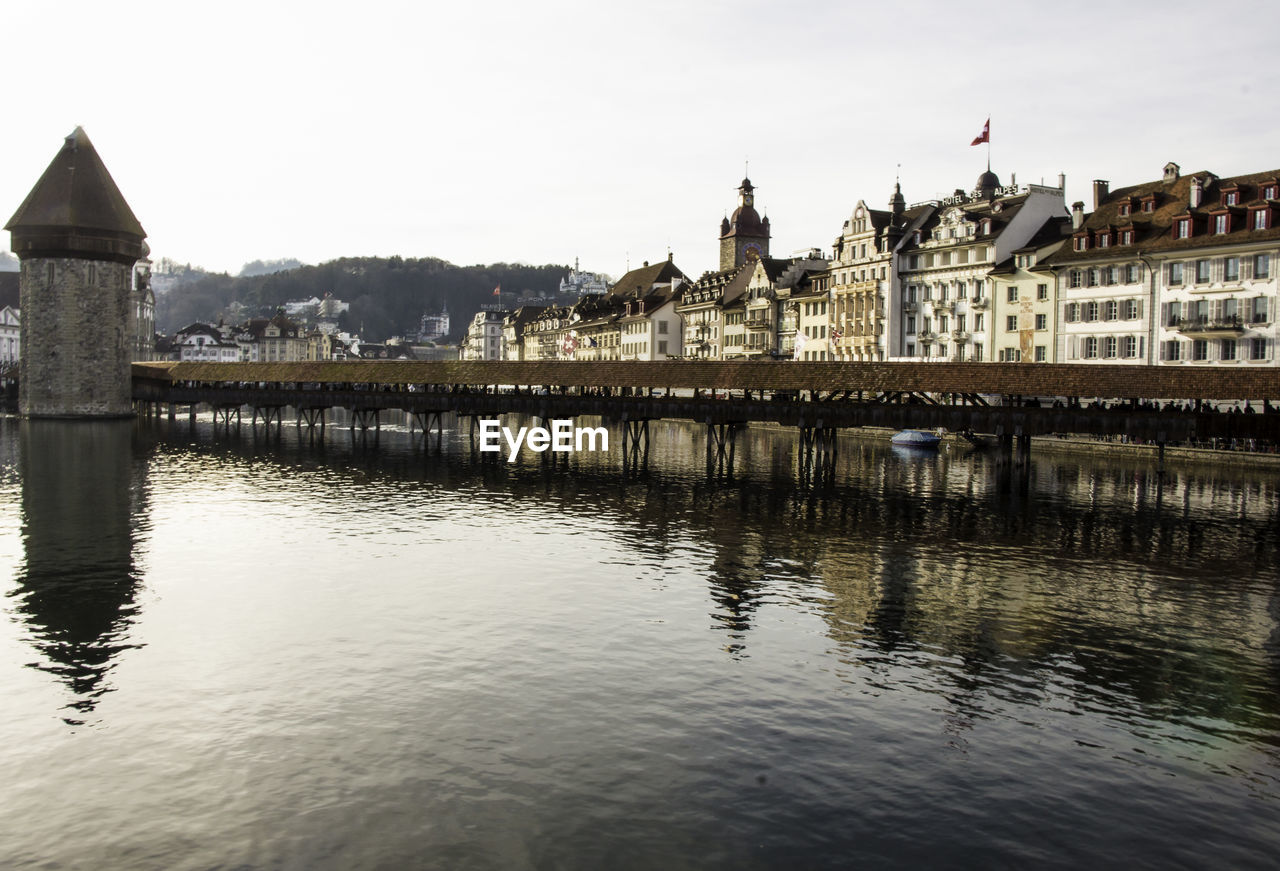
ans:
(76, 209)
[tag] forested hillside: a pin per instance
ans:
(388, 295)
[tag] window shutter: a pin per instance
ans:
(1142, 347)
(1073, 348)
(1164, 350)
(1139, 308)
(1246, 268)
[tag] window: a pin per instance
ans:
(1094, 278)
(1260, 219)
(1202, 271)
(1042, 291)
(1131, 310)
(1126, 237)
(1104, 240)
(662, 346)
(662, 326)
(1258, 310)
(1091, 311)
(977, 322)
(1111, 275)
(945, 293)
(977, 289)
(1124, 210)
(1109, 347)
(911, 350)
(1011, 323)
(1111, 310)
(1042, 322)
(1175, 274)
(1076, 279)
(1258, 349)
(1042, 353)
(1131, 274)
(1231, 198)
(1231, 269)
(1261, 265)
(911, 324)
(1269, 192)
(1173, 350)
(1200, 350)
(1182, 229)
(1082, 243)
(1072, 313)
(1149, 204)
(1012, 294)
(1221, 224)
(942, 323)
(1091, 348)
(1227, 350)
(1129, 346)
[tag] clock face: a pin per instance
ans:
(751, 252)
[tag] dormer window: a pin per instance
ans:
(1104, 239)
(1149, 204)
(1125, 209)
(1221, 224)
(1082, 243)
(1260, 219)
(1269, 192)
(1126, 237)
(986, 226)
(1182, 228)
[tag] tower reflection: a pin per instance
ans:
(76, 587)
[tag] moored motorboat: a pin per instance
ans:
(916, 438)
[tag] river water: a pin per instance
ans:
(229, 652)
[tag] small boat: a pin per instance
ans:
(916, 438)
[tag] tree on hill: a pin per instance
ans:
(388, 296)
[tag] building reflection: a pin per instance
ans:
(950, 563)
(76, 588)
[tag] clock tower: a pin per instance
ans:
(745, 236)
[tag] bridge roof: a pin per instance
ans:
(1024, 379)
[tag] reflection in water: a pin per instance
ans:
(76, 586)
(404, 658)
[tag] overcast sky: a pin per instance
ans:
(543, 131)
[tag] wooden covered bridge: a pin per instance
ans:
(1011, 402)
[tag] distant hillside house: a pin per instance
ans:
(578, 283)
(278, 340)
(10, 332)
(203, 343)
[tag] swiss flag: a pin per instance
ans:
(985, 135)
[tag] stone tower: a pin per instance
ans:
(745, 236)
(78, 240)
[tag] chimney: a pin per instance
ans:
(1062, 181)
(1171, 171)
(1197, 192)
(1100, 190)
(1077, 215)
(671, 257)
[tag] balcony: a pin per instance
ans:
(979, 303)
(959, 336)
(1202, 328)
(927, 335)
(911, 307)
(757, 323)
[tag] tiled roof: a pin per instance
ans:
(9, 291)
(76, 192)
(1153, 231)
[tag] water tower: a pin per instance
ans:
(78, 240)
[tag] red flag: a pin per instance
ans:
(985, 135)
(497, 291)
